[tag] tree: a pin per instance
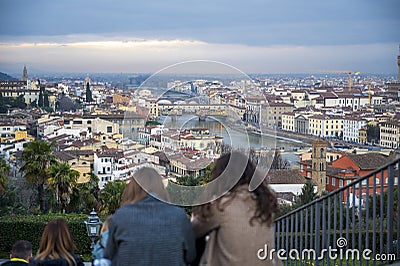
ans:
(4, 171)
(373, 134)
(46, 102)
(111, 195)
(3, 102)
(85, 196)
(65, 103)
(62, 180)
(19, 102)
(307, 194)
(89, 97)
(41, 100)
(10, 202)
(36, 159)
(278, 162)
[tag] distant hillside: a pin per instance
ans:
(4, 76)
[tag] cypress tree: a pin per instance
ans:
(40, 100)
(88, 94)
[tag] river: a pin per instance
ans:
(238, 138)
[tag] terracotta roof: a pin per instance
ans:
(59, 137)
(81, 152)
(328, 95)
(285, 176)
(162, 156)
(369, 161)
(278, 104)
(64, 156)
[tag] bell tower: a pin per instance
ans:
(25, 74)
(398, 66)
(318, 164)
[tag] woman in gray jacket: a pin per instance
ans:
(147, 231)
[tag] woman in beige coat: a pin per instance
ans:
(239, 224)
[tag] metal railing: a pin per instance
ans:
(358, 224)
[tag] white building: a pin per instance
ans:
(351, 127)
(8, 130)
(390, 134)
(117, 165)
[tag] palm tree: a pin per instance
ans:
(62, 180)
(36, 158)
(86, 195)
(4, 170)
(111, 196)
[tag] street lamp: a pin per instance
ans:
(93, 226)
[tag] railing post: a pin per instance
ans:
(398, 211)
(390, 210)
(317, 232)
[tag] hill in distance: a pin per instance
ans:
(4, 76)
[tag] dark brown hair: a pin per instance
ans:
(21, 249)
(56, 242)
(266, 201)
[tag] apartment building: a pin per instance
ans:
(326, 126)
(351, 128)
(390, 134)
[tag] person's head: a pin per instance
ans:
(266, 201)
(104, 227)
(56, 242)
(145, 180)
(21, 249)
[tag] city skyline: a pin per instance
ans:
(256, 37)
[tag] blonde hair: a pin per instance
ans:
(105, 225)
(56, 242)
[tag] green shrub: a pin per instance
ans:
(30, 227)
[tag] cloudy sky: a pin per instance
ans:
(256, 36)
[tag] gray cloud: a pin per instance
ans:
(254, 22)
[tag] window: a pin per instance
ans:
(333, 181)
(109, 129)
(341, 183)
(89, 122)
(327, 180)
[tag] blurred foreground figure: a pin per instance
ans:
(21, 252)
(56, 246)
(147, 231)
(240, 223)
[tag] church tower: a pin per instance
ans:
(398, 66)
(25, 74)
(318, 164)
